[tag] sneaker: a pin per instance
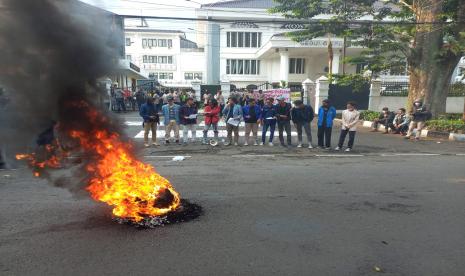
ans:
(283, 145)
(256, 144)
(310, 146)
(155, 144)
(146, 145)
(227, 144)
(417, 138)
(348, 150)
(177, 142)
(299, 145)
(386, 132)
(261, 144)
(204, 143)
(407, 137)
(338, 148)
(374, 130)
(245, 144)
(167, 142)
(328, 148)
(270, 144)
(236, 144)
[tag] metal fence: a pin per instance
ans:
(394, 88)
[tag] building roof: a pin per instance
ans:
(242, 4)
(261, 4)
(146, 30)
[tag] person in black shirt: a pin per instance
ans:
(302, 116)
(283, 111)
(252, 114)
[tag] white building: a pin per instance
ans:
(244, 52)
(166, 55)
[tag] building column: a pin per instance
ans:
(226, 89)
(196, 87)
(375, 95)
(322, 92)
(309, 91)
(284, 65)
(336, 62)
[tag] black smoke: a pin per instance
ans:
(52, 52)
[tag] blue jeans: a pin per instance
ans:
(271, 124)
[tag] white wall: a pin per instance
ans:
(454, 104)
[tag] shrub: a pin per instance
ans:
(457, 126)
(368, 115)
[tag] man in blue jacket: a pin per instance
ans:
(251, 114)
(268, 120)
(302, 116)
(326, 115)
(232, 114)
(149, 112)
(171, 119)
(188, 116)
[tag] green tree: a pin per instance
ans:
(427, 35)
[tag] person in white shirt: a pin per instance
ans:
(350, 118)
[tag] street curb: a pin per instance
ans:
(424, 133)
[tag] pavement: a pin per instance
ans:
(390, 205)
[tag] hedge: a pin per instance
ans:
(456, 126)
(368, 115)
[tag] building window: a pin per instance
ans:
(165, 76)
(192, 76)
(242, 67)
(170, 43)
(243, 39)
(129, 57)
(296, 66)
(128, 41)
(162, 43)
(157, 59)
(198, 76)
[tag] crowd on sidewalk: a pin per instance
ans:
(254, 113)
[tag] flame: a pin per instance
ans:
(117, 177)
(122, 181)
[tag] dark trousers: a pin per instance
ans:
(308, 131)
(284, 125)
(387, 124)
(120, 104)
(402, 129)
(343, 137)
(324, 136)
(271, 124)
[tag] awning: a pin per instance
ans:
(131, 70)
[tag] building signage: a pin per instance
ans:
(275, 93)
(324, 43)
(134, 67)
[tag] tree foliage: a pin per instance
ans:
(386, 29)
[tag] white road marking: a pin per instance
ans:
(339, 155)
(410, 154)
(202, 124)
(199, 134)
(253, 155)
(166, 156)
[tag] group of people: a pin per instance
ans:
(403, 123)
(268, 115)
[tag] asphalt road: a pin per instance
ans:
(393, 204)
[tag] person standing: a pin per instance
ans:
(261, 98)
(149, 112)
(220, 99)
(206, 97)
(326, 115)
(252, 115)
(188, 116)
(401, 122)
(419, 115)
(268, 120)
(350, 118)
(119, 97)
(212, 117)
(141, 98)
(302, 116)
(283, 114)
(232, 114)
(171, 119)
